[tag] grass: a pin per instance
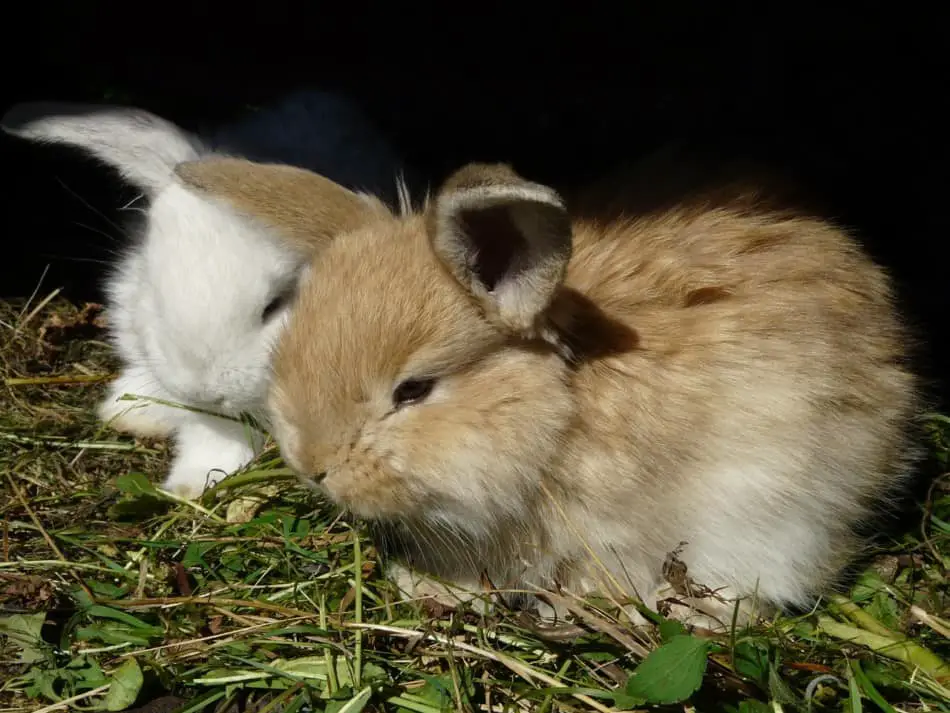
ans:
(114, 594)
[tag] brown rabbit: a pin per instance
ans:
(550, 401)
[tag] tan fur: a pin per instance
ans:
(305, 207)
(714, 371)
(483, 193)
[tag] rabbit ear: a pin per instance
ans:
(143, 147)
(505, 239)
(304, 208)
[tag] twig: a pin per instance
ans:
(46, 564)
(184, 407)
(70, 379)
(938, 625)
(60, 442)
(191, 504)
(600, 624)
(358, 608)
(39, 308)
(33, 294)
(207, 601)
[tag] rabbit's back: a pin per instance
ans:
(760, 407)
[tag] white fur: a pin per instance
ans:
(185, 299)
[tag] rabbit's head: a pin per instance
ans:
(199, 295)
(418, 379)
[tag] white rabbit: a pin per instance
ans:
(196, 300)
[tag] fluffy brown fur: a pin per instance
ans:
(715, 371)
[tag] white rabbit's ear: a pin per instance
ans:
(305, 210)
(143, 147)
(505, 239)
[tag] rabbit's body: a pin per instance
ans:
(721, 374)
(761, 471)
(197, 297)
(197, 364)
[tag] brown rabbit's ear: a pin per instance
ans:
(304, 208)
(505, 239)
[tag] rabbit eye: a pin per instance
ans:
(275, 304)
(412, 391)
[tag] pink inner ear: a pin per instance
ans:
(496, 242)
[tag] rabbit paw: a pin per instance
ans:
(415, 586)
(189, 479)
(712, 611)
(205, 457)
(135, 416)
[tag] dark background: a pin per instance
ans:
(850, 101)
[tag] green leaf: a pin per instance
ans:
(86, 672)
(126, 684)
(866, 586)
(312, 667)
(883, 608)
(624, 701)
(137, 508)
(371, 673)
(750, 705)
(355, 704)
(294, 527)
(106, 590)
(194, 554)
(598, 656)
(670, 628)
(40, 683)
(78, 675)
(126, 618)
(861, 679)
(751, 659)
(199, 703)
(671, 673)
(779, 690)
(136, 484)
(111, 635)
(83, 600)
(854, 694)
(24, 631)
(296, 703)
(437, 690)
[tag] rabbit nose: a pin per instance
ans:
(210, 401)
